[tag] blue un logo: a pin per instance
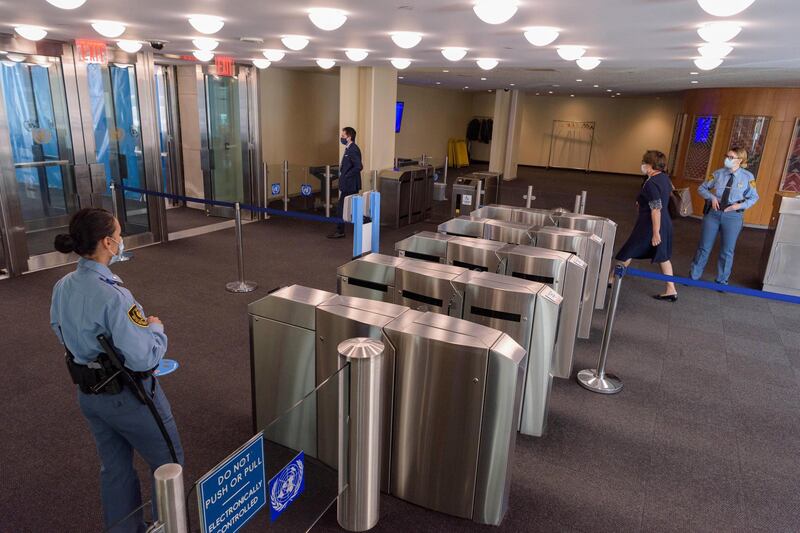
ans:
(286, 486)
(305, 189)
(276, 189)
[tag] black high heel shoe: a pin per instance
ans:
(666, 297)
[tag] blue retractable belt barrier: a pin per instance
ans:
(276, 212)
(714, 286)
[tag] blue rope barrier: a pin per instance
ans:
(267, 210)
(713, 286)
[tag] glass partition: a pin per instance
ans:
(224, 141)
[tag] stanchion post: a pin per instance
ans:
(285, 185)
(241, 285)
(266, 191)
(446, 164)
(359, 434)
(170, 501)
(114, 201)
(327, 191)
(583, 202)
(577, 207)
(529, 197)
(478, 193)
(596, 379)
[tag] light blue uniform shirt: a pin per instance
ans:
(743, 187)
(91, 301)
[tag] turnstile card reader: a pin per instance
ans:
(476, 254)
(282, 365)
(425, 286)
(425, 245)
(463, 226)
(507, 232)
(528, 312)
(458, 388)
(369, 276)
(565, 273)
(604, 228)
(588, 247)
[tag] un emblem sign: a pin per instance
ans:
(305, 189)
(286, 486)
(276, 189)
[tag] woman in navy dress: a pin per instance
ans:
(651, 237)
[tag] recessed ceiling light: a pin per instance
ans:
(486, 63)
(556, 85)
(495, 11)
(579, 80)
(438, 83)
(483, 79)
(401, 77)
(356, 54)
(724, 8)
(608, 90)
(16, 58)
(694, 73)
(717, 50)
(618, 94)
(541, 35)
(454, 54)
(466, 86)
(488, 90)
(294, 42)
(571, 52)
(707, 63)
(613, 96)
(406, 39)
(325, 63)
(205, 43)
(595, 86)
(694, 81)
(207, 24)
(261, 63)
(719, 32)
(129, 46)
(109, 28)
(445, 71)
(549, 92)
(67, 4)
(203, 55)
(537, 94)
(327, 19)
(274, 55)
(512, 84)
(588, 63)
(32, 33)
(400, 63)
(572, 96)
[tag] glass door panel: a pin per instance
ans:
(225, 151)
(41, 147)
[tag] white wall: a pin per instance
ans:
(625, 127)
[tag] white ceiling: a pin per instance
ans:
(646, 45)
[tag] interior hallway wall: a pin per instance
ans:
(625, 127)
(431, 116)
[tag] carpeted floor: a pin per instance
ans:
(704, 437)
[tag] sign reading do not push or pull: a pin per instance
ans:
(235, 490)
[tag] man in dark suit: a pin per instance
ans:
(349, 174)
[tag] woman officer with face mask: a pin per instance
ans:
(728, 192)
(91, 301)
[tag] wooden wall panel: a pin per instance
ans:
(781, 105)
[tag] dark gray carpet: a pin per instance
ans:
(704, 437)
(182, 218)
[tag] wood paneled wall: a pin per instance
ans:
(781, 105)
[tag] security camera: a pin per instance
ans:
(506, 90)
(157, 45)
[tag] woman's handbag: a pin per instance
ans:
(680, 203)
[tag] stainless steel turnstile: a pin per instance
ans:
(604, 228)
(782, 270)
(496, 212)
(458, 388)
(528, 312)
(463, 226)
(464, 197)
(565, 273)
(406, 194)
(425, 245)
(534, 217)
(370, 276)
(476, 254)
(507, 232)
(283, 364)
(428, 286)
(490, 186)
(588, 247)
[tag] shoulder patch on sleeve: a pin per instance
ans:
(136, 316)
(752, 183)
(710, 177)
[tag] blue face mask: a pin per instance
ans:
(343, 140)
(729, 162)
(121, 249)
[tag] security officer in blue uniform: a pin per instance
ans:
(89, 302)
(349, 174)
(728, 192)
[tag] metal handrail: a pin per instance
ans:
(28, 164)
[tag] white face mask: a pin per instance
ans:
(730, 162)
(120, 250)
(645, 169)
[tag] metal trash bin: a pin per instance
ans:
(476, 254)
(604, 228)
(425, 286)
(464, 196)
(463, 226)
(338, 319)
(588, 247)
(282, 362)
(425, 245)
(370, 276)
(507, 232)
(528, 312)
(565, 273)
(458, 389)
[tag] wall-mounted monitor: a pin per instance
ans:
(398, 117)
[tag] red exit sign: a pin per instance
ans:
(224, 65)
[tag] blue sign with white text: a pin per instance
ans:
(286, 486)
(235, 490)
(305, 189)
(276, 189)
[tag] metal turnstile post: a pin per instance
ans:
(285, 185)
(583, 202)
(446, 164)
(327, 191)
(374, 180)
(529, 197)
(170, 501)
(241, 285)
(596, 379)
(360, 434)
(577, 207)
(478, 193)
